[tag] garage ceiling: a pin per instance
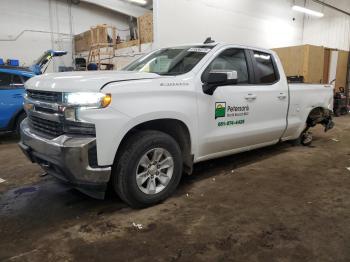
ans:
(133, 8)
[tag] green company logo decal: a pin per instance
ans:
(220, 109)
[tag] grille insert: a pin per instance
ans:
(46, 96)
(46, 126)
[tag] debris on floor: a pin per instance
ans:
(348, 168)
(43, 174)
(138, 226)
(2, 180)
(335, 140)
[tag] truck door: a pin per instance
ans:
(11, 97)
(247, 114)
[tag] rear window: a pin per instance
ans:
(265, 70)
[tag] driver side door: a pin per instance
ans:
(225, 117)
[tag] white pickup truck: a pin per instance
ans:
(141, 128)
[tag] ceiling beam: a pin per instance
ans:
(332, 7)
(119, 6)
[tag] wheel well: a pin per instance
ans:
(173, 127)
(13, 121)
(317, 115)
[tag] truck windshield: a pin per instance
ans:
(170, 61)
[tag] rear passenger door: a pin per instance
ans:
(269, 98)
(247, 114)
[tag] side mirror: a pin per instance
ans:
(218, 78)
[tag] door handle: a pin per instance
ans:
(282, 96)
(250, 97)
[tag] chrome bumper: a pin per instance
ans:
(67, 158)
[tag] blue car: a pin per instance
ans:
(12, 79)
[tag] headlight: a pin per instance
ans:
(87, 99)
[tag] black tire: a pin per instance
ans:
(19, 120)
(124, 170)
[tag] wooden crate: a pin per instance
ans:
(305, 60)
(82, 42)
(96, 36)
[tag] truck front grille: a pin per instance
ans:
(47, 117)
(45, 96)
(45, 126)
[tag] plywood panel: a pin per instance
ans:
(327, 59)
(342, 67)
(292, 59)
(315, 64)
(304, 60)
(145, 23)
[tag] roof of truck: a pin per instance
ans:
(222, 44)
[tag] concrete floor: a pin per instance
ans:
(281, 203)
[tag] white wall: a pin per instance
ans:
(333, 30)
(264, 23)
(19, 15)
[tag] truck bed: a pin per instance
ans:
(303, 98)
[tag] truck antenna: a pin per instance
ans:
(208, 41)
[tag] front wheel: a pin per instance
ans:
(148, 170)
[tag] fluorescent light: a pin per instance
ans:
(307, 11)
(141, 2)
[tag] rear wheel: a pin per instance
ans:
(148, 170)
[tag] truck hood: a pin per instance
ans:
(83, 81)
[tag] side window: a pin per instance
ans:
(5, 81)
(16, 81)
(265, 71)
(232, 59)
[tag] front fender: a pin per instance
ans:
(112, 126)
